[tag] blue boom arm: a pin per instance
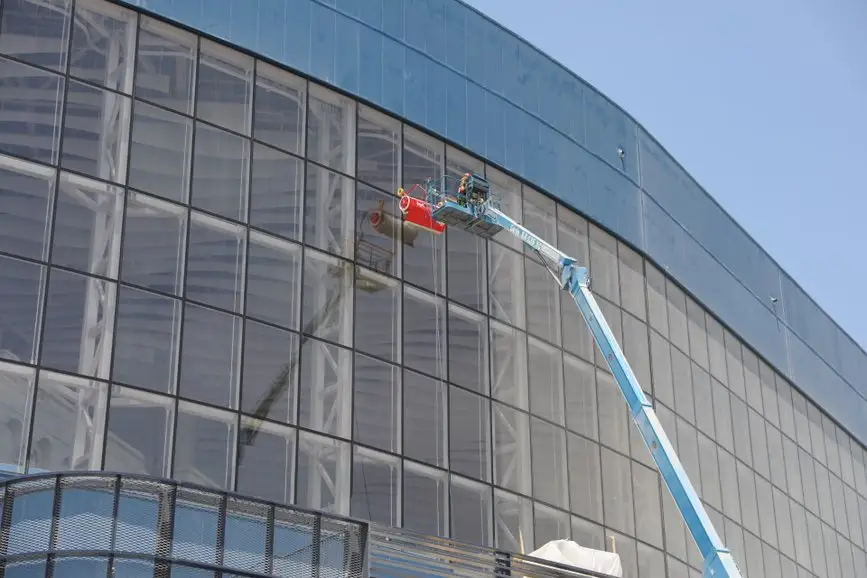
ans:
(472, 210)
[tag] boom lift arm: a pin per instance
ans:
(472, 209)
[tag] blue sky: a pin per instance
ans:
(764, 103)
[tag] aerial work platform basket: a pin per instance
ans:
(463, 208)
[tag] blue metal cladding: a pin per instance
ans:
(446, 67)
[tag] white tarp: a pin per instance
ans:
(570, 553)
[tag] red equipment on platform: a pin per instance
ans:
(419, 213)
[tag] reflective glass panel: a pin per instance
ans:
(225, 87)
(36, 31)
(160, 152)
(221, 161)
(166, 65)
(31, 101)
(278, 112)
(21, 287)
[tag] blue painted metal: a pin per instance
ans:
(575, 279)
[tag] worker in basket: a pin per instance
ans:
(468, 194)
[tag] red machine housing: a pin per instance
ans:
(420, 214)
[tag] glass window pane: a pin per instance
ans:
(220, 164)
(79, 321)
(424, 419)
(511, 449)
(160, 152)
(509, 365)
(636, 348)
(95, 132)
(550, 477)
(581, 403)
(424, 332)
(139, 432)
(326, 302)
(17, 383)
(466, 268)
(617, 481)
(614, 421)
(422, 158)
(103, 44)
(550, 524)
(648, 507)
(468, 349)
(329, 212)
(269, 385)
(722, 416)
(210, 356)
(331, 130)
(21, 287)
(31, 101)
(677, 323)
(266, 463)
(660, 356)
(278, 111)
(36, 31)
(769, 394)
(379, 231)
(697, 333)
(154, 244)
(166, 65)
(751, 380)
(87, 226)
(543, 303)
(546, 381)
(378, 149)
(325, 388)
(26, 198)
(425, 499)
(540, 217)
(276, 189)
(147, 340)
(471, 510)
(215, 262)
(716, 349)
(603, 265)
(62, 402)
(376, 402)
(204, 450)
(681, 368)
(375, 487)
(273, 280)
(506, 285)
(656, 299)
(513, 522)
(225, 87)
(631, 270)
(703, 394)
(734, 366)
(585, 478)
(469, 434)
(377, 315)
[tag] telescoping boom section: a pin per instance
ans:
(472, 206)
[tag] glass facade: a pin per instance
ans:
(444, 66)
(191, 287)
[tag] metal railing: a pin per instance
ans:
(396, 553)
(102, 524)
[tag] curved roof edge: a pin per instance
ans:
(194, 15)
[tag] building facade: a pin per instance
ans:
(192, 287)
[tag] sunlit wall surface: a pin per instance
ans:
(98, 525)
(191, 287)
